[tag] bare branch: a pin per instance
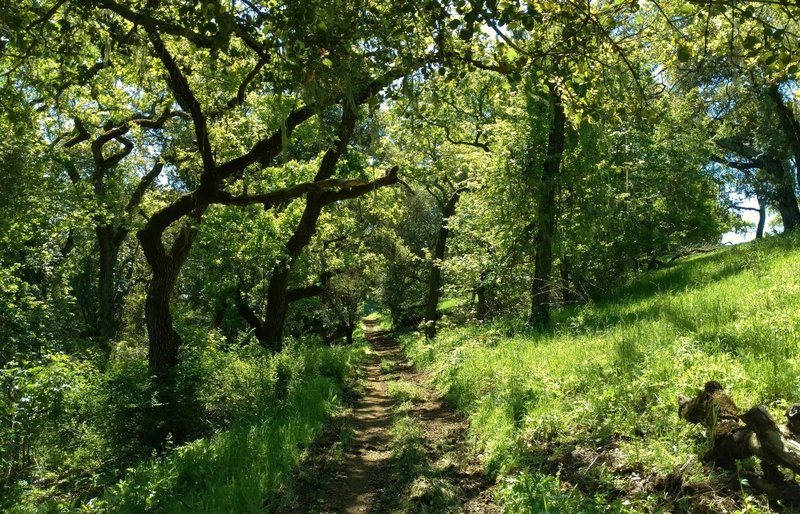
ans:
(187, 100)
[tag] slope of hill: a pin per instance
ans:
(584, 418)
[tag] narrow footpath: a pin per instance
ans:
(400, 449)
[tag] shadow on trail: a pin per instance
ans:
(432, 469)
(345, 472)
(386, 458)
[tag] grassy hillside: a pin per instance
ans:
(584, 418)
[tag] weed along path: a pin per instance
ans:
(399, 449)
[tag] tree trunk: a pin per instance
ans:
(216, 319)
(779, 177)
(167, 412)
(277, 301)
(106, 294)
(480, 292)
(164, 340)
(351, 327)
(762, 218)
(277, 307)
(789, 125)
(250, 317)
(435, 277)
(278, 295)
(786, 202)
(790, 216)
(785, 199)
(546, 215)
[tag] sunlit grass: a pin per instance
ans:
(387, 365)
(418, 483)
(383, 319)
(608, 375)
(246, 468)
(449, 303)
(401, 391)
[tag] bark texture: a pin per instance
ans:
(546, 215)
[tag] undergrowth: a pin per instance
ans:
(260, 410)
(583, 418)
(242, 469)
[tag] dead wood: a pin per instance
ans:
(737, 436)
(793, 420)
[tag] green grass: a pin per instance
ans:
(419, 477)
(402, 392)
(248, 467)
(584, 418)
(448, 304)
(384, 319)
(387, 365)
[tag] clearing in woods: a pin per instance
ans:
(400, 448)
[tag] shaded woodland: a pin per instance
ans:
(199, 202)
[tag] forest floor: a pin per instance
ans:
(399, 448)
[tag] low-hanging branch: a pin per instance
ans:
(335, 189)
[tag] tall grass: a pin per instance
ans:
(263, 409)
(247, 467)
(599, 391)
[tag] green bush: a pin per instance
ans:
(244, 468)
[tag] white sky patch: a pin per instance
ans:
(734, 238)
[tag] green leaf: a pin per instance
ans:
(684, 53)
(750, 42)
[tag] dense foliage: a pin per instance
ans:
(198, 200)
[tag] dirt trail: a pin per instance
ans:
(350, 470)
(346, 480)
(449, 468)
